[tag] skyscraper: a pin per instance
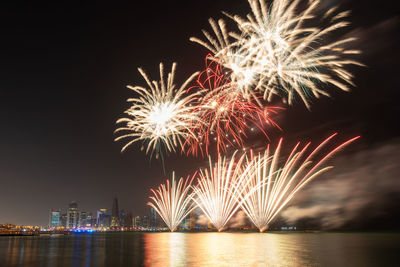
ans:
(137, 222)
(89, 220)
(85, 219)
(63, 220)
(103, 219)
(55, 218)
(153, 219)
(72, 215)
(128, 221)
(115, 223)
(145, 222)
(122, 215)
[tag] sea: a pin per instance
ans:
(202, 249)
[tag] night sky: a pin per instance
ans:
(64, 71)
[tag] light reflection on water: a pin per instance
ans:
(202, 249)
(225, 249)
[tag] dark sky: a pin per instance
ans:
(64, 71)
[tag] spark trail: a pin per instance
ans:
(272, 185)
(173, 201)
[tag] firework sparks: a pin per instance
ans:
(217, 190)
(161, 116)
(277, 53)
(173, 201)
(271, 187)
(227, 116)
(233, 57)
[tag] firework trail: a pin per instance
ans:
(217, 190)
(271, 187)
(227, 116)
(234, 58)
(160, 116)
(173, 201)
(279, 51)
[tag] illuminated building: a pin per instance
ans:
(137, 222)
(185, 224)
(89, 220)
(55, 218)
(85, 219)
(128, 222)
(121, 217)
(82, 219)
(193, 218)
(154, 219)
(103, 219)
(63, 220)
(115, 223)
(145, 222)
(73, 215)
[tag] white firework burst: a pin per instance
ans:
(173, 201)
(271, 185)
(216, 192)
(281, 51)
(161, 115)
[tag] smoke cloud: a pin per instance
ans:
(362, 187)
(239, 220)
(202, 220)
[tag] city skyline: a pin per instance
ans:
(74, 217)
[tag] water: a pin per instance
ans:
(202, 249)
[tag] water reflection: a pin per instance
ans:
(224, 249)
(269, 249)
(165, 249)
(202, 249)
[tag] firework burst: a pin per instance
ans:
(271, 187)
(227, 116)
(161, 115)
(233, 57)
(278, 51)
(173, 201)
(216, 192)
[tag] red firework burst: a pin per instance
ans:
(225, 113)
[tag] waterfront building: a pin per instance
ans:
(85, 219)
(73, 215)
(63, 220)
(55, 219)
(121, 217)
(185, 224)
(145, 222)
(128, 221)
(89, 220)
(103, 219)
(153, 218)
(137, 222)
(115, 223)
(82, 219)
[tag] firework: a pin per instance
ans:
(173, 201)
(227, 116)
(233, 57)
(277, 52)
(271, 187)
(161, 115)
(217, 190)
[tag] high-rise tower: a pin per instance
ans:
(54, 218)
(72, 215)
(115, 215)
